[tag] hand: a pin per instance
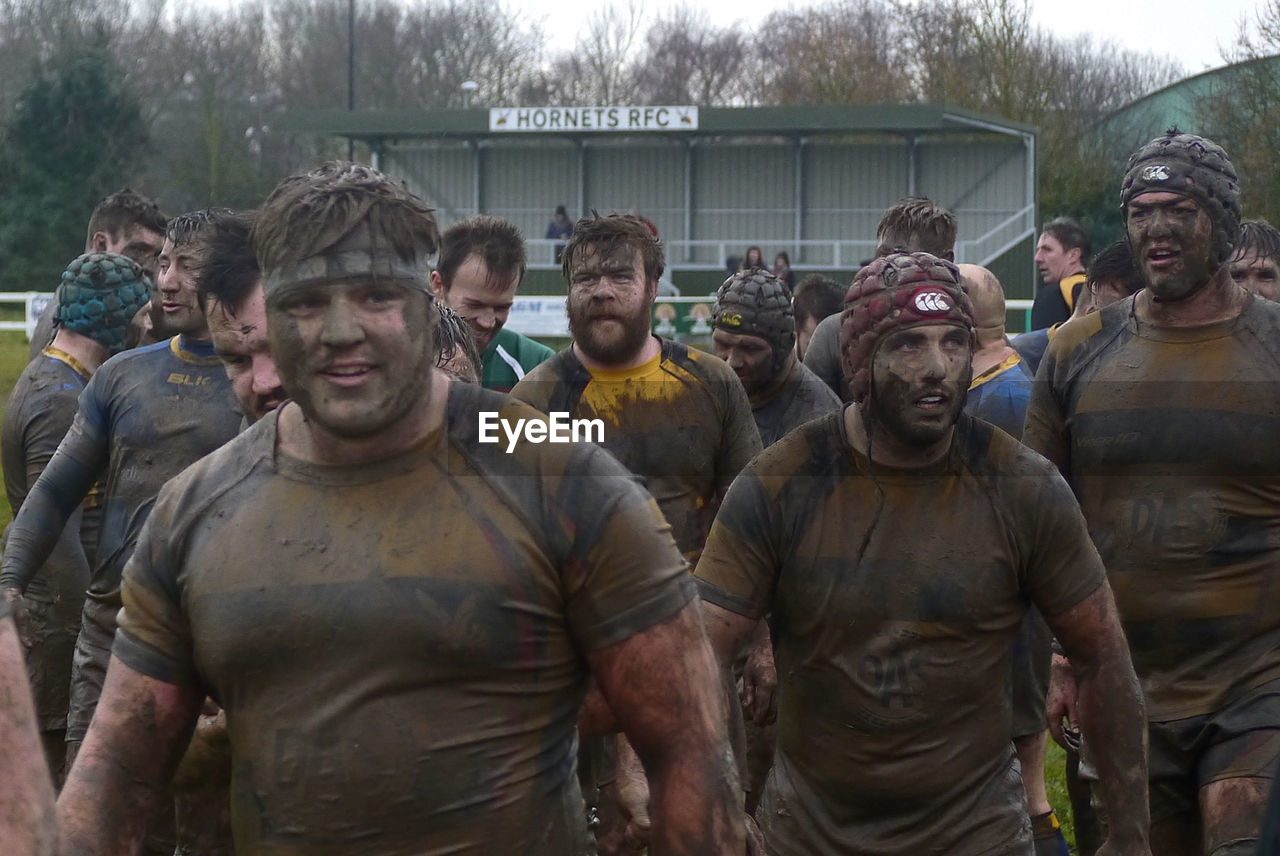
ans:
(759, 683)
(755, 839)
(633, 798)
(18, 608)
(1060, 704)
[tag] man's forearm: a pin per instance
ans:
(688, 785)
(27, 823)
(1113, 720)
(139, 732)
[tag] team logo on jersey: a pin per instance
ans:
(1157, 172)
(932, 301)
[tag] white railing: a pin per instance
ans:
(534, 315)
(544, 315)
(808, 255)
(33, 303)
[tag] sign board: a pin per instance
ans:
(36, 306)
(539, 316)
(533, 120)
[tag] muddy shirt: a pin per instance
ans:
(1168, 437)
(894, 604)
(399, 646)
(798, 397)
(40, 410)
(1000, 395)
(144, 416)
(681, 421)
(823, 355)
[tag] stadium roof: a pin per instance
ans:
(1180, 104)
(378, 126)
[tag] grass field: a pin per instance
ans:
(13, 359)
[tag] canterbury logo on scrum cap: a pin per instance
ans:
(932, 301)
(1156, 172)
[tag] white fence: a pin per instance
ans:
(539, 315)
(33, 303)
(535, 315)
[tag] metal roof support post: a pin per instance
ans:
(477, 188)
(913, 166)
(799, 197)
(688, 199)
(582, 177)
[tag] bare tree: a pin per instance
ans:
(686, 60)
(599, 69)
(846, 52)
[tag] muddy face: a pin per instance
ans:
(919, 377)
(1172, 241)
(240, 341)
(1257, 273)
(175, 308)
(355, 355)
(609, 304)
(750, 357)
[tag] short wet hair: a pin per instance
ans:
(496, 241)
(817, 297)
(1260, 237)
(1115, 264)
(932, 227)
(454, 336)
(309, 212)
(188, 228)
(607, 231)
(122, 212)
(228, 271)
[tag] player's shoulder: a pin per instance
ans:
(1080, 340)
(203, 481)
(127, 362)
(558, 365)
(991, 452)
(807, 450)
(703, 366)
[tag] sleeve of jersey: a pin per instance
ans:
(739, 566)
(1063, 567)
(62, 485)
(623, 573)
(1045, 428)
(153, 636)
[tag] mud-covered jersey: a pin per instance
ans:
(823, 358)
(144, 416)
(399, 646)
(681, 422)
(1168, 436)
(1000, 395)
(796, 398)
(39, 412)
(894, 599)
